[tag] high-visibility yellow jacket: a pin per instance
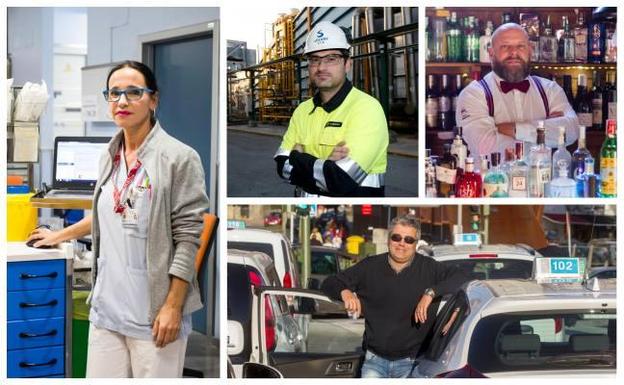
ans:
(352, 117)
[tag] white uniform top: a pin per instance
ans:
(120, 300)
(526, 109)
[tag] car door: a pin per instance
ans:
(332, 340)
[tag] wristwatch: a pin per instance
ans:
(430, 292)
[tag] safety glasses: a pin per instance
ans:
(132, 93)
(398, 238)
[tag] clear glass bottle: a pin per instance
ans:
(588, 183)
(485, 41)
(495, 182)
(580, 38)
(539, 165)
(431, 103)
(580, 154)
(548, 44)
(508, 160)
(471, 51)
(440, 48)
(567, 43)
(469, 184)
(519, 174)
(608, 163)
(458, 88)
(561, 154)
(610, 55)
(562, 186)
(460, 150)
(445, 122)
(427, 39)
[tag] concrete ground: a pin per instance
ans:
(202, 354)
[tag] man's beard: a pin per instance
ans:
(510, 75)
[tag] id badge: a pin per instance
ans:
(130, 217)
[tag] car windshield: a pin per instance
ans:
(265, 248)
(544, 341)
(493, 268)
(324, 263)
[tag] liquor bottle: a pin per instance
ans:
(610, 55)
(582, 103)
(484, 165)
(445, 122)
(428, 40)
(519, 174)
(596, 41)
(588, 183)
(485, 42)
(460, 150)
(506, 18)
(471, 52)
(562, 186)
(567, 88)
(561, 154)
(548, 44)
(539, 165)
(495, 182)
(431, 103)
(446, 173)
(509, 160)
(430, 177)
(440, 48)
(458, 88)
(609, 97)
(608, 155)
(597, 102)
(580, 38)
(454, 40)
(581, 153)
(469, 184)
(566, 43)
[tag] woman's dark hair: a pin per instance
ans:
(148, 75)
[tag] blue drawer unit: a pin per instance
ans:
(37, 316)
(36, 275)
(35, 333)
(37, 362)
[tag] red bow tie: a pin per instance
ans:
(522, 86)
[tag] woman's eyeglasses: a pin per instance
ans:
(397, 238)
(132, 93)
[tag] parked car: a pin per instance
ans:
(487, 333)
(604, 272)
(273, 244)
(325, 261)
(273, 218)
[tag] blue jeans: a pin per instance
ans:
(378, 367)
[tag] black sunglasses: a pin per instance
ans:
(397, 238)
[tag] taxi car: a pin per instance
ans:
(486, 330)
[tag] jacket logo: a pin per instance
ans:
(333, 124)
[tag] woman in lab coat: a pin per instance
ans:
(146, 222)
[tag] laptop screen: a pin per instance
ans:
(76, 161)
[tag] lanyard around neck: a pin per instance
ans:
(118, 206)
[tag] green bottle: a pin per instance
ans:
(454, 40)
(608, 162)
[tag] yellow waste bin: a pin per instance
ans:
(353, 244)
(21, 216)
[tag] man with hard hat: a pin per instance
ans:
(336, 142)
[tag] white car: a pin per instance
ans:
(487, 333)
(273, 244)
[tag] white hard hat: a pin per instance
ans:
(325, 35)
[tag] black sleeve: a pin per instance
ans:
(448, 279)
(280, 160)
(351, 278)
(338, 182)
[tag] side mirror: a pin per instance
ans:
(255, 370)
(235, 338)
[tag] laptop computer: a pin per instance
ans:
(76, 160)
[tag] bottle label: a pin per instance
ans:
(608, 176)
(467, 190)
(535, 52)
(585, 119)
(597, 111)
(612, 110)
(494, 189)
(445, 175)
(580, 49)
(444, 104)
(518, 183)
(431, 106)
(568, 50)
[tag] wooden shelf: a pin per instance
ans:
(62, 203)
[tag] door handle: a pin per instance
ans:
(31, 276)
(31, 365)
(343, 367)
(51, 303)
(33, 335)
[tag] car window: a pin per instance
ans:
(265, 248)
(544, 341)
(448, 321)
(324, 263)
(317, 327)
(497, 268)
(239, 305)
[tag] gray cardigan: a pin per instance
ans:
(175, 222)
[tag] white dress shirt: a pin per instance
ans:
(525, 109)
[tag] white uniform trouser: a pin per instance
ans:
(112, 354)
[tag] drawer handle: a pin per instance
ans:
(31, 276)
(31, 365)
(33, 335)
(51, 303)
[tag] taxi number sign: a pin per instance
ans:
(559, 270)
(564, 266)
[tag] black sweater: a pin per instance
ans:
(389, 300)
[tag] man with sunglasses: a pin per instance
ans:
(336, 142)
(393, 292)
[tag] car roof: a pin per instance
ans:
(503, 250)
(516, 288)
(252, 235)
(249, 258)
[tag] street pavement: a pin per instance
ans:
(251, 171)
